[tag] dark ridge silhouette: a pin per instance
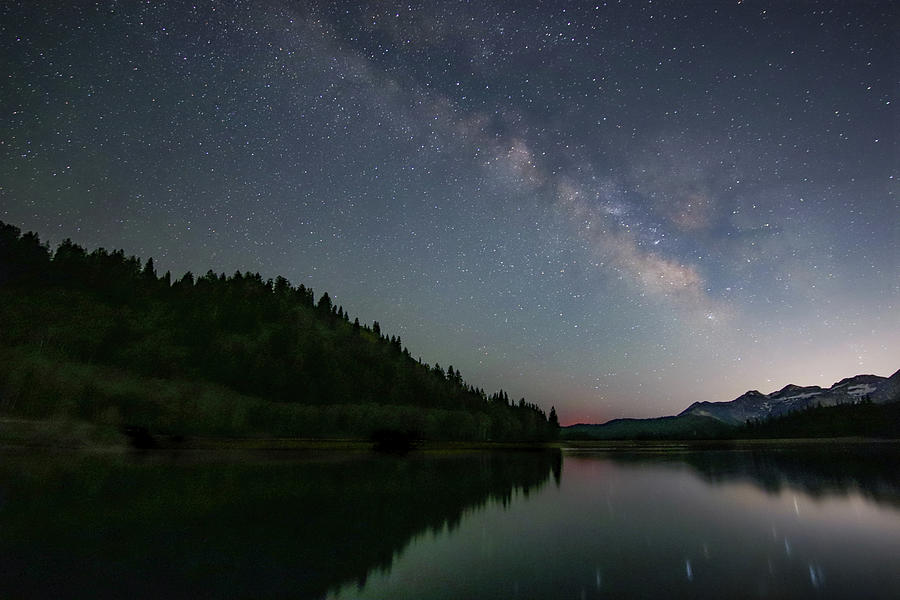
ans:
(686, 427)
(101, 336)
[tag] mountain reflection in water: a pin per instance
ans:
(167, 526)
(759, 521)
(800, 521)
(818, 469)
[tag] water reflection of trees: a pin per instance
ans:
(249, 529)
(820, 470)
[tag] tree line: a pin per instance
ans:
(260, 338)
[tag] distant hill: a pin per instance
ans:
(102, 337)
(686, 427)
(864, 405)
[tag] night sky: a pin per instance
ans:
(613, 208)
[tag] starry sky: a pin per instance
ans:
(616, 208)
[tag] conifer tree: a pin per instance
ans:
(325, 304)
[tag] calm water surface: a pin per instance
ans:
(816, 522)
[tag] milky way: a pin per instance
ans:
(612, 208)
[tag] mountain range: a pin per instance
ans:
(721, 419)
(754, 405)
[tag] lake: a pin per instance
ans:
(795, 521)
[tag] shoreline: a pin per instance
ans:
(66, 435)
(718, 445)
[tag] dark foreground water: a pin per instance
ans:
(821, 521)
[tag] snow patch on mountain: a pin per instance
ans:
(861, 390)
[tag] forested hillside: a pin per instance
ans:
(102, 336)
(863, 418)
